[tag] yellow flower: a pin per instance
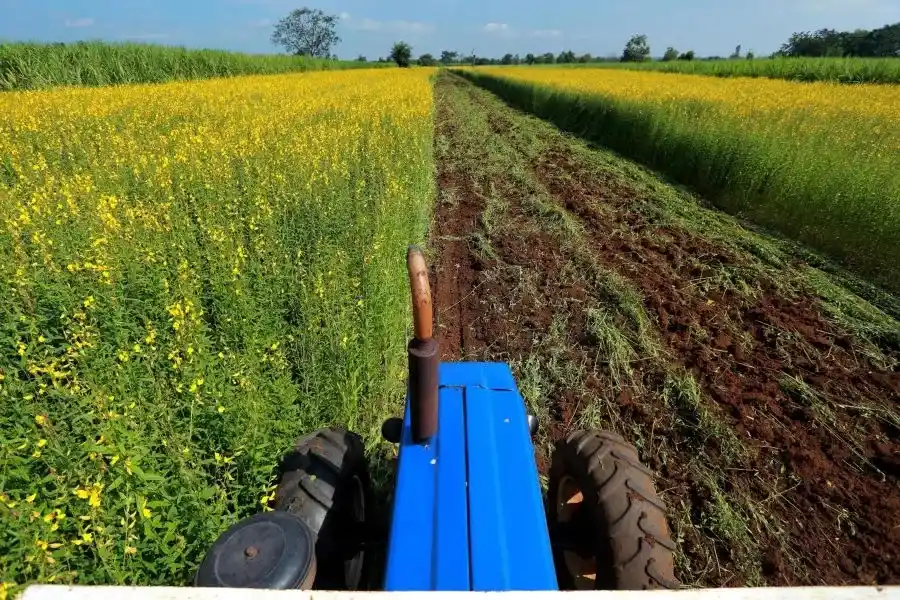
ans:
(91, 494)
(94, 499)
(40, 420)
(41, 443)
(30, 498)
(130, 550)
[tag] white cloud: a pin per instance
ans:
(366, 24)
(496, 28)
(145, 36)
(546, 33)
(261, 23)
(407, 27)
(841, 5)
(411, 27)
(861, 11)
(344, 16)
(80, 22)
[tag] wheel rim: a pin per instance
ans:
(353, 566)
(569, 507)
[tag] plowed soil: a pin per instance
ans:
(816, 478)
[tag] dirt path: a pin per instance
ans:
(623, 304)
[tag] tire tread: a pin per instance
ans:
(628, 516)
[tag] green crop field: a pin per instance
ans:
(842, 70)
(193, 275)
(32, 65)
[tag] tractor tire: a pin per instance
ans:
(325, 482)
(608, 527)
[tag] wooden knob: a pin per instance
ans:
(423, 315)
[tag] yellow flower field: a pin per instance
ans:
(868, 114)
(818, 161)
(193, 274)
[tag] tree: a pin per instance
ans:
(448, 57)
(507, 59)
(566, 57)
(530, 58)
(689, 55)
(361, 58)
(637, 49)
(750, 55)
(585, 58)
(883, 42)
(548, 58)
(670, 55)
(737, 53)
(427, 60)
(401, 53)
(308, 32)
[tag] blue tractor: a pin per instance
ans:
(467, 511)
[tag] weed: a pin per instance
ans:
(730, 526)
(855, 315)
(683, 394)
(613, 347)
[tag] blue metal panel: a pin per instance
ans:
(428, 545)
(451, 508)
(492, 376)
(509, 543)
(467, 507)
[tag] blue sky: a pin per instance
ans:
(490, 27)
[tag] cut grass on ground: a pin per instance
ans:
(587, 344)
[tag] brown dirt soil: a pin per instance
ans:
(788, 337)
(841, 517)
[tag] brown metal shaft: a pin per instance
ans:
(423, 388)
(422, 352)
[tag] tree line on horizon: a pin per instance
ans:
(311, 32)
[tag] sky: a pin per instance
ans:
(487, 27)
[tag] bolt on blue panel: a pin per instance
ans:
(467, 509)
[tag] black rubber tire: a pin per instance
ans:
(624, 528)
(321, 477)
